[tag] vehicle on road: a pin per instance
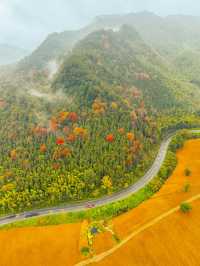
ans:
(32, 214)
(11, 216)
(90, 205)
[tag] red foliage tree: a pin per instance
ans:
(110, 138)
(71, 138)
(73, 117)
(121, 130)
(66, 130)
(53, 124)
(2, 103)
(56, 166)
(40, 131)
(43, 148)
(60, 141)
(66, 152)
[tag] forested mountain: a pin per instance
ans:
(56, 45)
(170, 36)
(187, 62)
(111, 64)
(173, 37)
(10, 54)
(165, 34)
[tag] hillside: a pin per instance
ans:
(187, 61)
(111, 64)
(168, 36)
(10, 54)
(55, 46)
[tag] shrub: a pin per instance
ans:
(186, 187)
(85, 251)
(187, 172)
(116, 238)
(185, 207)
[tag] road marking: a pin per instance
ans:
(136, 232)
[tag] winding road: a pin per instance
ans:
(151, 173)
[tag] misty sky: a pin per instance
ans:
(26, 23)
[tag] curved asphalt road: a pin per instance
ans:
(151, 173)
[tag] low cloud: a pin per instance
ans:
(26, 23)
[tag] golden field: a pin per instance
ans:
(172, 240)
(41, 246)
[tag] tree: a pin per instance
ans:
(107, 182)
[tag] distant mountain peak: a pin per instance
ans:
(10, 54)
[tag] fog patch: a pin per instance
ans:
(52, 68)
(37, 94)
(52, 97)
(114, 29)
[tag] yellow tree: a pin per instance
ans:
(107, 182)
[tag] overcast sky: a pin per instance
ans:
(26, 23)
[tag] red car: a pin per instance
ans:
(90, 205)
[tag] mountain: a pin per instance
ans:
(164, 33)
(55, 46)
(174, 37)
(187, 61)
(170, 36)
(111, 64)
(10, 54)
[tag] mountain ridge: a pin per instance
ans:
(167, 35)
(118, 59)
